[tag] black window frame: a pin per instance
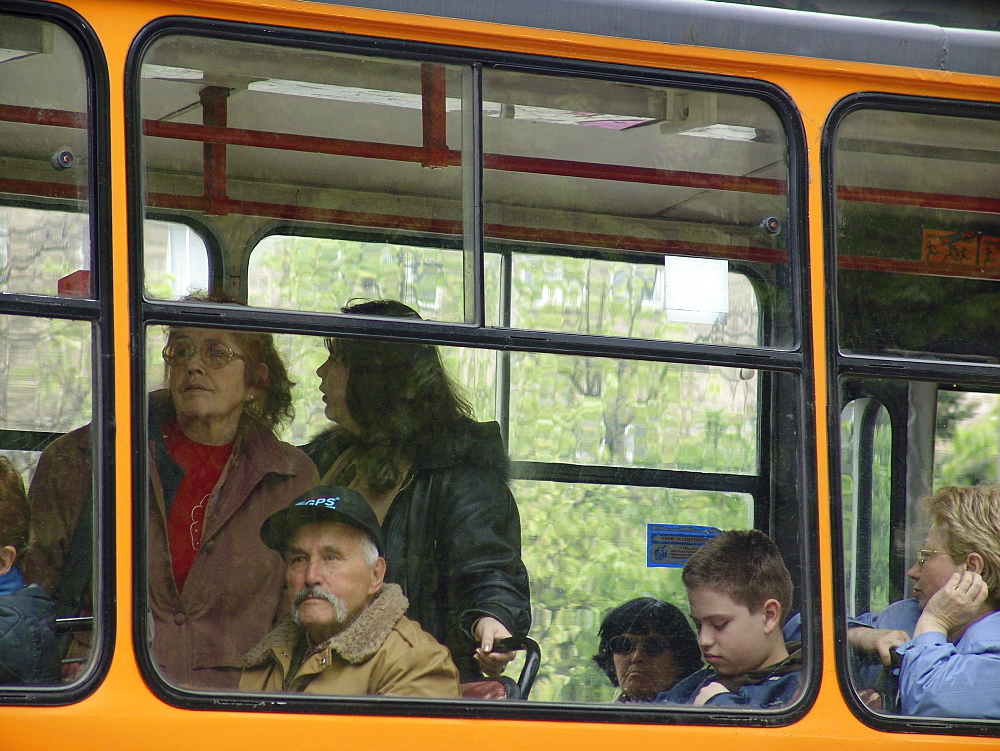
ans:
(97, 310)
(858, 367)
(801, 526)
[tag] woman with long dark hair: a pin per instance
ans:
(436, 479)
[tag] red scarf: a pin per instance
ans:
(202, 466)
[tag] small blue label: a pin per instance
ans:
(670, 545)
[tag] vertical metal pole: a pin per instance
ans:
(472, 194)
(503, 356)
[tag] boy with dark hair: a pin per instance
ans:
(27, 642)
(739, 591)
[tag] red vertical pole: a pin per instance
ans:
(215, 112)
(433, 90)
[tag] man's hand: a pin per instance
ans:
(955, 605)
(488, 631)
(707, 692)
(880, 640)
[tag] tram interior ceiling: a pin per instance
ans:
(224, 149)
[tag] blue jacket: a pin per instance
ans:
(866, 669)
(27, 642)
(940, 679)
(901, 615)
(772, 692)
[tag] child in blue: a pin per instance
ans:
(27, 643)
(739, 591)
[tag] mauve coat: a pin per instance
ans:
(234, 590)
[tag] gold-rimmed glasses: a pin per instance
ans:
(214, 354)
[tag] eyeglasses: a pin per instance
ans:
(924, 555)
(652, 646)
(213, 353)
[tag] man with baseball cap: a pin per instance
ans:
(347, 634)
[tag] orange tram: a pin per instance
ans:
(703, 265)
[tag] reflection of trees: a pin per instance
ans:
(45, 363)
(37, 248)
(584, 545)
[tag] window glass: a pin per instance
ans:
(319, 273)
(585, 548)
(43, 145)
(246, 134)
(47, 368)
(967, 439)
(45, 402)
(583, 542)
(632, 413)
(866, 446)
(176, 259)
(903, 443)
(664, 195)
(918, 234)
(634, 299)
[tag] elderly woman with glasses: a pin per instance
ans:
(646, 646)
(946, 638)
(217, 472)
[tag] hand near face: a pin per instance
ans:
(488, 631)
(877, 640)
(954, 605)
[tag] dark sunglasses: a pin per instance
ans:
(652, 646)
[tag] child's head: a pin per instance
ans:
(15, 515)
(739, 592)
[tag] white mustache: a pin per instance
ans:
(339, 607)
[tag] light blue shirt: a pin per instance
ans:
(940, 679)
(902, 615)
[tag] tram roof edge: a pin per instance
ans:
(732, 26)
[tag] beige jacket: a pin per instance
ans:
(382, 652)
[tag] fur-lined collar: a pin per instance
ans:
(357, 643)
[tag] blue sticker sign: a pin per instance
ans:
(670, 545)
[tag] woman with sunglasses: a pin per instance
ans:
(216, 472)
(646, 646)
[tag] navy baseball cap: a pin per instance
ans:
(324, 503)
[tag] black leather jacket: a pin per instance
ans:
(453, 537)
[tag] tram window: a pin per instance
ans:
(866, 460)
(48, 375)
(327, 176)
(45, 396)
(346, 140)
(665, 194)
(917, 234)
(901, 442)
(967, 440)
(43, 252)
(599, 448)
(631, 413)
(311, 273)
(585, 548)
(176, 259)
